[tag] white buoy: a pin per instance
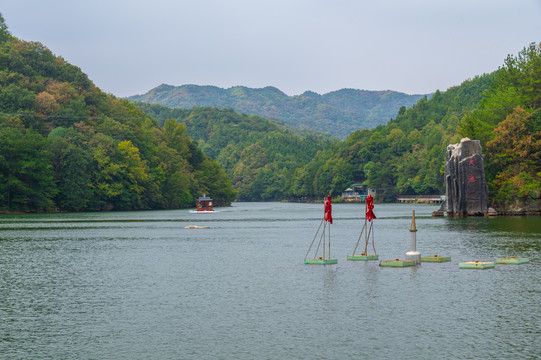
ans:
(413, 254)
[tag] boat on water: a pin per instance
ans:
(204, 204)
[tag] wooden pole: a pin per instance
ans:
(359, 239)
(329, 254)
(373, 245)
(368, 238)
(324, 227)
(314, 239)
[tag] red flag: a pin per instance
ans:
(369, 206)
(328, 209)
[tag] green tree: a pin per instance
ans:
(134, 175)
(213, 180)
(72, 166)
(106, 179)
(4, 33)
(26, 176)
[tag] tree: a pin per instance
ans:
(26, 175)
(134, 173)
(46, 104)
(515, 157)
(105, 179)
(72, 166)
(15, 99)
(214, 181)
(4, 32)
(176, 137)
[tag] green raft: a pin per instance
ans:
(396, 263)
(476, 265)
(435, 258)
(362, 257)
(320, 261)
(513, 261)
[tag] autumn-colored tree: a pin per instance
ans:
(514, 160)
(46, 103)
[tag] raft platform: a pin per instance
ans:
(435, 258)
(476, 265)
(396, 263)
(362, 257)
(513, 261)
(320, 261)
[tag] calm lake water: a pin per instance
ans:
(138, 285)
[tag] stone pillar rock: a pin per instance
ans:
(466, 187)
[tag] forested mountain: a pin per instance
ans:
(268, 162)
(338, 113)
(259, 155)
(502, 109)
(65, 145)
(406, 156)
(403, 157)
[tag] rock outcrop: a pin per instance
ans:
(466, 187)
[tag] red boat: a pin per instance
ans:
(204, 203)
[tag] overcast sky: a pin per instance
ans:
(412, 46)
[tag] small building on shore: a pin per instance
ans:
(358, 193)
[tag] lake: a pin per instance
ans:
(138, 285)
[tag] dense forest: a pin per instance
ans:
(405, 156)
(508, 123)
(266, 161)
(67, 146)
(339, 112)
(259, 155)
(502, 109)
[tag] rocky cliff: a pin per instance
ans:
(466, 187)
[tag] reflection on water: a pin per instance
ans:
(139, 285)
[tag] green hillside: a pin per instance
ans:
(339, 112)
(267, 161)
(67, 146)
(502, 109)
(259, 155)
(405, 156)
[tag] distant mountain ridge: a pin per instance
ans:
(338, 112)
